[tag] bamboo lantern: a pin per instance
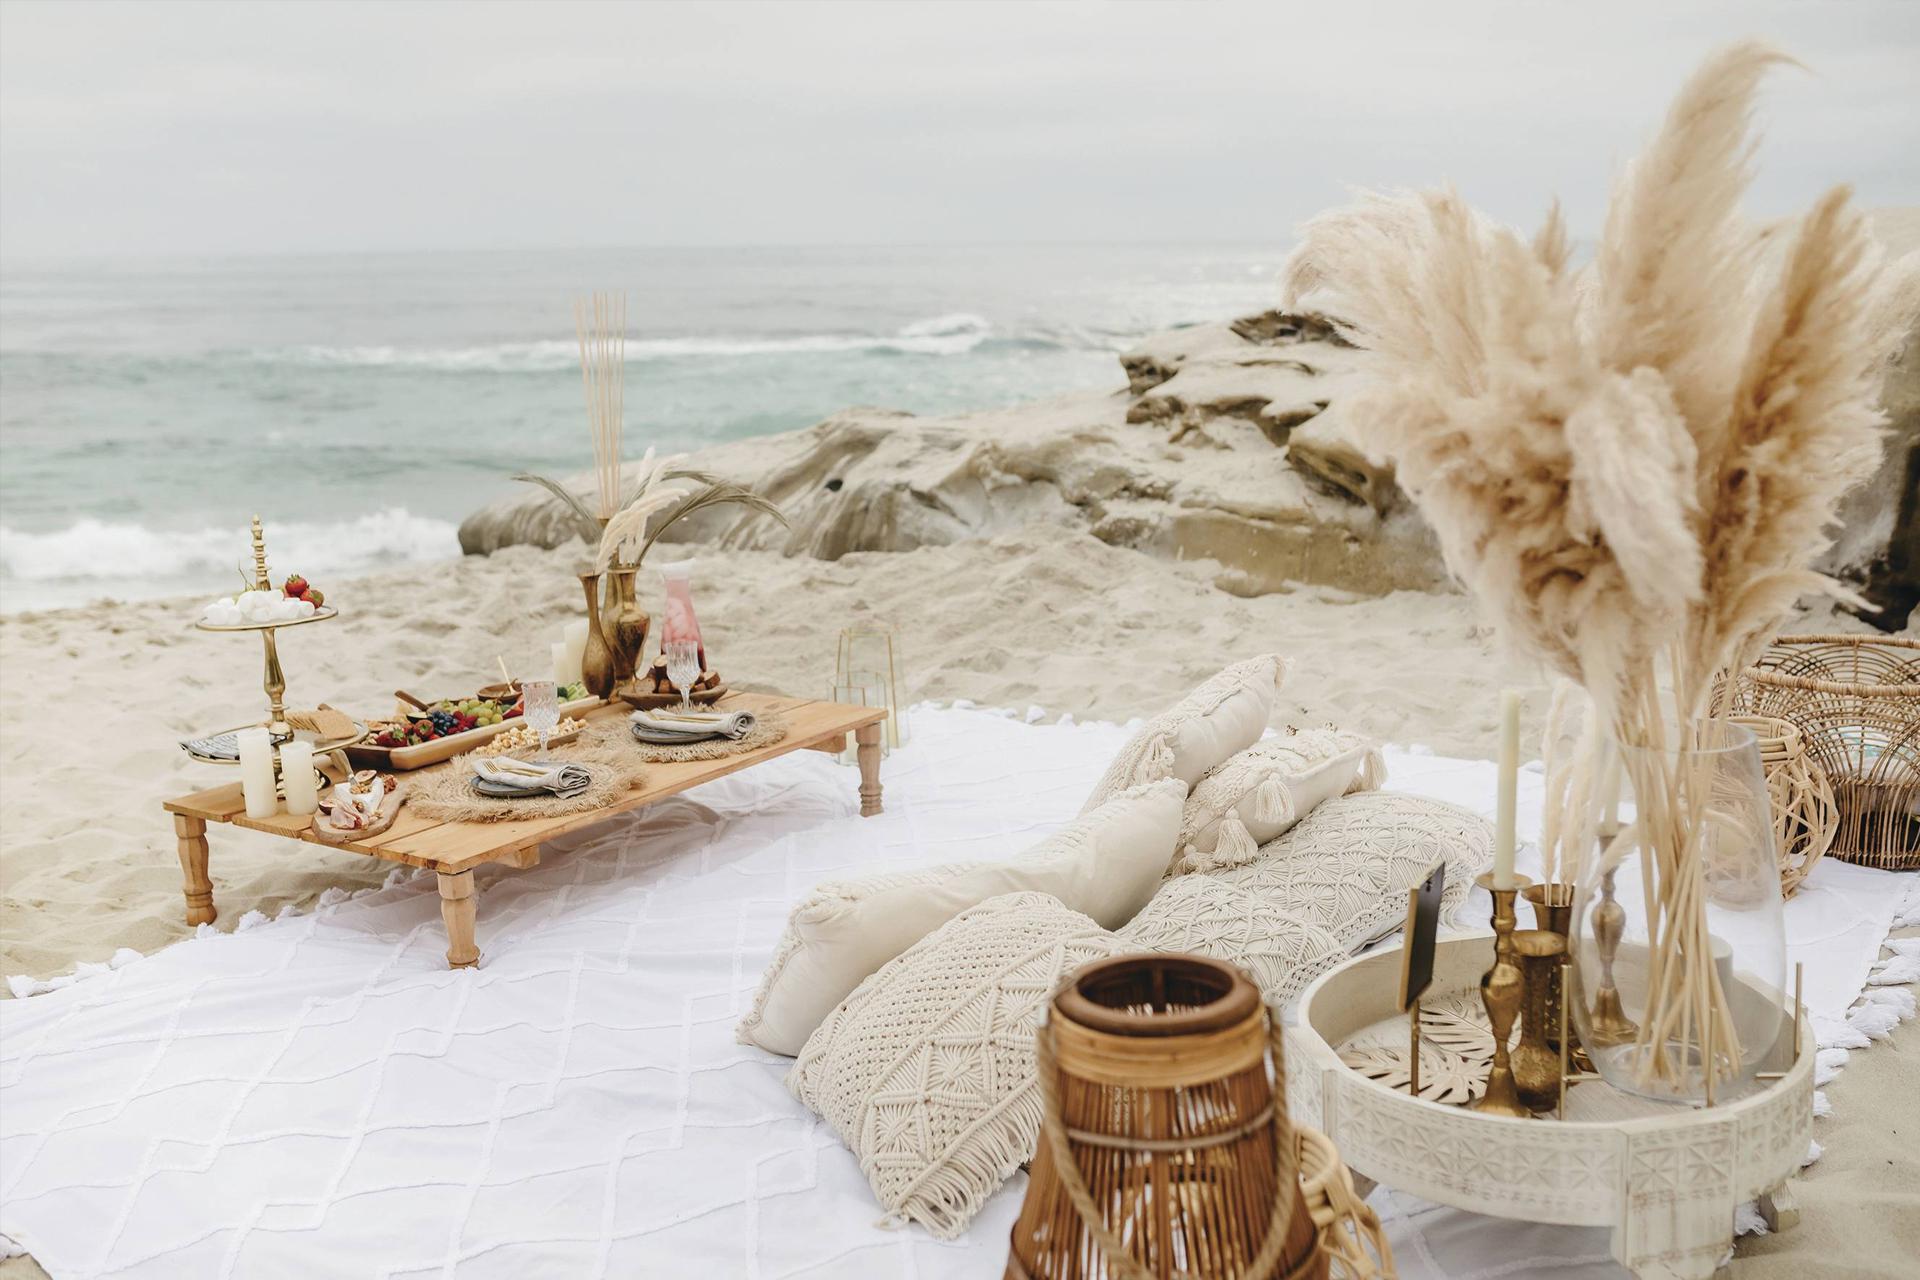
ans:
(1165, 1150)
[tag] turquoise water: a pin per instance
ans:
(364, 404)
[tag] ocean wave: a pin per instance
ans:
(947, 335)
(120, 556)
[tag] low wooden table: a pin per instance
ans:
(454, 849)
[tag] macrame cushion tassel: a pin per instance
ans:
(927, 1070)
(1257, 794)
(1228, 712)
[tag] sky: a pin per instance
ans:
(156, 128)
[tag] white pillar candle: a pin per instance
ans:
(1509, 786)
(296, 775)
(559, 650)
(256, 773)
(575, 639)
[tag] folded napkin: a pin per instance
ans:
(504, 776)
(668, 726)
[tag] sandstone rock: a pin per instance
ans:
(873, 480)
(1325, 454)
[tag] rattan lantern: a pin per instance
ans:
(1164, 1150)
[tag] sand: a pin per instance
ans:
(94, 699)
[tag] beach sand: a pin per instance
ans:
(95, 698)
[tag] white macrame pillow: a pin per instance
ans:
(1106, 863)
(1347, 866)
(927, 1070)
(1228, 712)
(1259, 793)
(1210, 917)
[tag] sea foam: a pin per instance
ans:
(945, 335)
(94, 559)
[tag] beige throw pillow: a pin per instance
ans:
(1210, 917)
(1259, 793)
(1228, 712)
(927, 1070)
(1346, 867)
(1105, 864)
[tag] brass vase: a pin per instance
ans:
(626, 628)
(596, 663)
(1536, 1065)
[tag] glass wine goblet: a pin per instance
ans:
(683, 669)
(541, 708)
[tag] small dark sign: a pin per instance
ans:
(1422, 932)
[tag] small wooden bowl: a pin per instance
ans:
(509, 692)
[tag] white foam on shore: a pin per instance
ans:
(93, 559)
(945, 335)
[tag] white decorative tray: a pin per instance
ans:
(1666, 1178)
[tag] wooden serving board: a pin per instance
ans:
(651, 701)
(366, 755)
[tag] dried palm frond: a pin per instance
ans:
(584, 522)
(626, 532)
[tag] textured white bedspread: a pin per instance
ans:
(319, 1096)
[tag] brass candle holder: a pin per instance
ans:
(1609, 1024)
(1552, 905)
(1536, 1063)
(1501, 991)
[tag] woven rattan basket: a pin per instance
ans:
(1856, 701)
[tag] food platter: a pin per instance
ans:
(418, 755)
(320, 614)
(654, 701)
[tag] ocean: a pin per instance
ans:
(362, 405)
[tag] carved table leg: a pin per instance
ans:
(458, 907)
(1779, 1207)
(191, 835)
(867, 747)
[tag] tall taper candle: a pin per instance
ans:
(1509, 785)
(256, 773)
(297, 777)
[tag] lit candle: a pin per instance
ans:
(256, 773)
(1509, 786)
(296, 775)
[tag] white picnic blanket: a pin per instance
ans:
(319, 1096)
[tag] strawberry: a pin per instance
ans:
(296, 586)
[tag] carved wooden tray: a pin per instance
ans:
(1666, 1177)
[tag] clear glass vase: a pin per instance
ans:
(1679, 947)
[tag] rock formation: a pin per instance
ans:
(1189, 463)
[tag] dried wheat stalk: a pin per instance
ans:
(1630, 466)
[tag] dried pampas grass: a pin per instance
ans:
(1632, 466)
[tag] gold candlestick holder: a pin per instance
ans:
(1609, 1024)
(1501, 991)
(1552, 904)
(1536, 1064)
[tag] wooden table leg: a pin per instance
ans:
(458, 907)
(867, 747)
(191, 835)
